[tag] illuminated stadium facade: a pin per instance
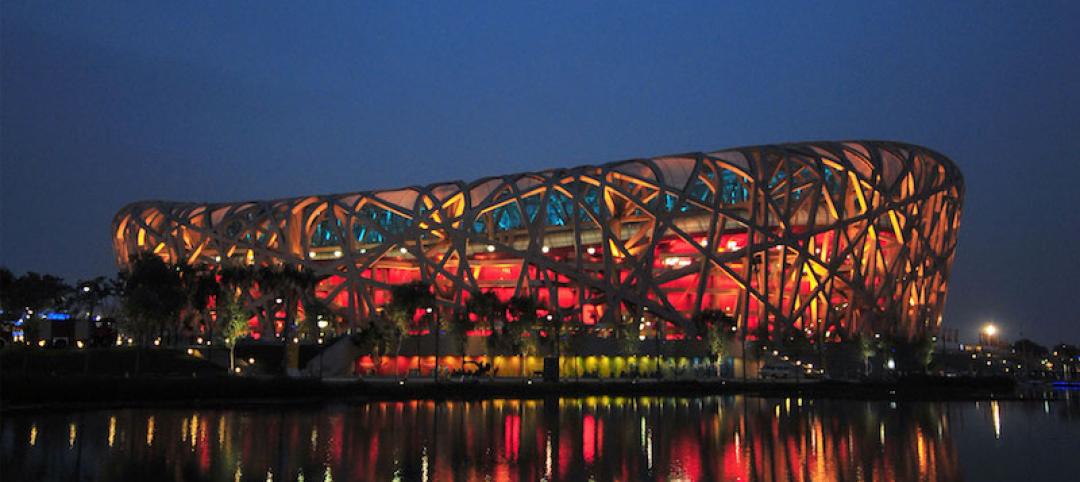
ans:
(828, 238)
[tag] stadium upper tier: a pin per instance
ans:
(821, 237)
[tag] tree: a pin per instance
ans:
(375, 338)
(232, 322)
(521, 331)
(90, 294)
(31, 293)
(628, 334)
(200, 285)
(460, 325)
(867, 348)
(7, 300)
(272, 284)
(405, 300)
(488, 309)
(716, 328)
(153, 296)
(552, 326)
(315, 310)
(300, 284)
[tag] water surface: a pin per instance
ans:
(595, 438)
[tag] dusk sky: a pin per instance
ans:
(104, 104)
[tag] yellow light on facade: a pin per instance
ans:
(79, 344)
(990, 329)
(337, 253)
(41, 343)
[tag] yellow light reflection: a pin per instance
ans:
(150, 431)
(995, 411)
(112, 430)
(194, 430)
(33, 435)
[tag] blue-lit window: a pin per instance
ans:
(699, 190)
(366, 235)
(732, 190)
(591, 200)
(326, 233)
(532, 206)
(668, 202)
(832, 180)
(391, 223)
(507, 217)
(560, 209)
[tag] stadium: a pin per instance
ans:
(823, 239)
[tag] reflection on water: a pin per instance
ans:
(601, 438)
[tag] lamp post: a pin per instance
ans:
(435, 373)
(989, 330)
(322, 324)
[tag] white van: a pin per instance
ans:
(778, 370)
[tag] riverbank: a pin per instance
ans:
(22, 392)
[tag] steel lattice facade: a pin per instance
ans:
(827, 237)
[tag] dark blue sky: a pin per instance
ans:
(106, 104)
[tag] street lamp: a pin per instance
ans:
(990, 331)
(435, 373)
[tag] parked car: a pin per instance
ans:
(778, 370)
